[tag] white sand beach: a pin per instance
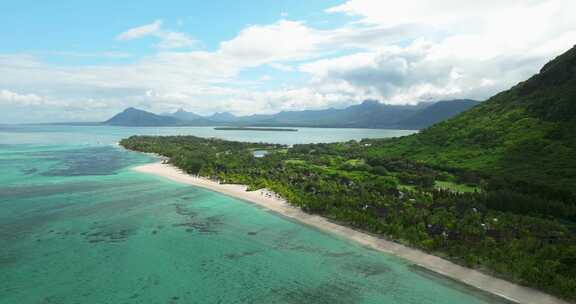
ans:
(269, 200)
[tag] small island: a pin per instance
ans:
(254, 129)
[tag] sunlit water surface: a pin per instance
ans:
(77, 226)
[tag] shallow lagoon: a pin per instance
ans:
(77, 226)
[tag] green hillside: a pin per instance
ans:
(525, 136)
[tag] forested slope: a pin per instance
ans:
(526, 135)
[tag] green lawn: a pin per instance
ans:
(461, 188)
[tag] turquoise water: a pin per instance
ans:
(77, 226)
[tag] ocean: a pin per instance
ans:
(78, 226)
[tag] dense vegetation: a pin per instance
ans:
(439, 211)
(523, 138)
(493, 188)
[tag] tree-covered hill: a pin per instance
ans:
(525, 136)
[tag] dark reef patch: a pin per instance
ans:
(7, 259)
(14, 192)
(195, 223)
(108, 234)
(339, 254)
(239, 255)
(23, 226)
(367, 269)
(87, 161)
(334, 292)
(29, 171)
(256, 232)
(182, 210)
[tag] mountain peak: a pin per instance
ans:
(556, 80)
(370, 102)
(566, 62)
(136, 117)
(222, 116)
(186, 116)
(556, 72)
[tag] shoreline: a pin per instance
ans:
(269, 200)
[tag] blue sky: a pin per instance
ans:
(48, 27)
(84, 61)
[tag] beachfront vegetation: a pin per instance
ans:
(450, 213)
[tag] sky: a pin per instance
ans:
(67, 60)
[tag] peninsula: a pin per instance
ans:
(255, 129)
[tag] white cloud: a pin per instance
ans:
(434, 12)
(283, 40)
(9, 97)
(175, 40)
(477, 28)
(168, 39)
(110, 54)
(418, 72)
(468, 50)
(141, 31)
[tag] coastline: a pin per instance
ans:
(270, 201)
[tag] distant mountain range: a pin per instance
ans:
(369, 114)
